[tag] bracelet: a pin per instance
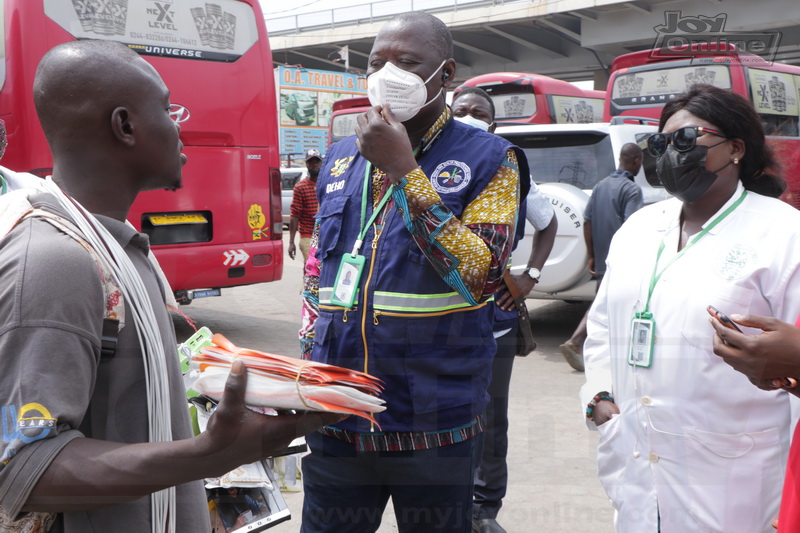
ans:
(599, 397)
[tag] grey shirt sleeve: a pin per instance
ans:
(51, 313)
(634, 200)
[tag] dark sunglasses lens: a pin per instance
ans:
(684, 139)
(657, 144)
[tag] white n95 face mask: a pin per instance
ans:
(404, 91)
(469, 120)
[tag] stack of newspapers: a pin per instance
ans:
(286, 383)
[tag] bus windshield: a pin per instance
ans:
(657, 84)
(511, 100)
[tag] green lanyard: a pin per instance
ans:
(655, 277)
(365, 227)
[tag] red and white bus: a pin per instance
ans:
(521, 98)
(642, 82)
(223, 228)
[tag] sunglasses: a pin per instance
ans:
(683, 139)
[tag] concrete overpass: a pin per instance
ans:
(568, 39)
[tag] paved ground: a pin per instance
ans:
(553, 487)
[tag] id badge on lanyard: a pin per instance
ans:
(352, 264)
(344, 288)
(643, 334)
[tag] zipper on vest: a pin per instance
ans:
(347, 310)
(364, 315)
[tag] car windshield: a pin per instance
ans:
(580, 159)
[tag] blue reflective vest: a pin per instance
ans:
(432, 349)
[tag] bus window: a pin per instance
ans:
(658, 84)
(535, 99)
(575, 109)
(774, 95)
(223, 227)
(577, 159)
(344, 116)
(343, 125)
(512, 105)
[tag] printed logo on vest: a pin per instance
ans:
(341, 165)
(337, 186)
(451, 176)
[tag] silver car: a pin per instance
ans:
(289, 178)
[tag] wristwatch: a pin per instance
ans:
(534, 273)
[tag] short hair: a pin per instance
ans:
(443, 41)
(466, 89)
(81, 78)
(631, 150)
(737, 119)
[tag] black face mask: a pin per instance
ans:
(684, 174)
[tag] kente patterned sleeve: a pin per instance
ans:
(469, 254)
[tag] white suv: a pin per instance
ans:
(566, 162)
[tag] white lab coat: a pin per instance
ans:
(695, 441)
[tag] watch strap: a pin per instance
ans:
(533, 273)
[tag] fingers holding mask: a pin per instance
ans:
(384, 142)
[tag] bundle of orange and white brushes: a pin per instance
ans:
(282, 382)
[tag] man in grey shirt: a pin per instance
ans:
(613, 200)
(76, 417)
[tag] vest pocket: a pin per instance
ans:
(448, 362)
(331, 217)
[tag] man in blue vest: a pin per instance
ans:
(421, 210)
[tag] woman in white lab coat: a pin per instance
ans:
(686, 443)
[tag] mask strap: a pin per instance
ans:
(433, 74)
(726, 165)
(435, 96)
(429, 79)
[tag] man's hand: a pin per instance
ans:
(383, 141)
(591, 266)
(524, 283)
(292, 250)
(774, 353)
(603, 411)
(237, 435)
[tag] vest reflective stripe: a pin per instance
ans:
(407, 302)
